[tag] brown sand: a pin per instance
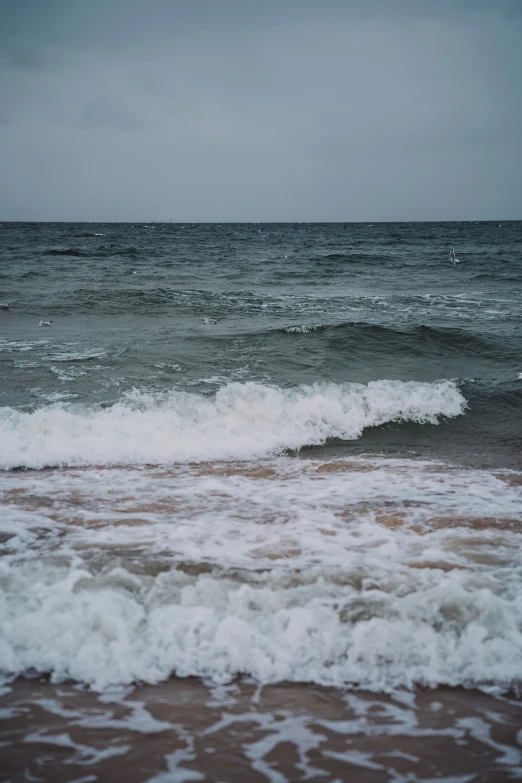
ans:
(183, 730)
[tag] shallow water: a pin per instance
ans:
(187, 730)
(384, 573)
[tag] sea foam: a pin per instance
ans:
(426, 628)
(371, 573)
(241, 421)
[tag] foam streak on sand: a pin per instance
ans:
(242, 421)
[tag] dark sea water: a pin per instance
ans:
(282, 546)
(297, 304)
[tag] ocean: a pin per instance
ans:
(261, 502)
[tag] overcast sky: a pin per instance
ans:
(260, 110)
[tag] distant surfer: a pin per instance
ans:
(453, 260)
(209, 321)
(45, 323)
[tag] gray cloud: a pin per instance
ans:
(27, 59)
(260, 111)
(101, 113)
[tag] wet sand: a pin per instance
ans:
(184, 730)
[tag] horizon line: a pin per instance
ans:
(265, 222)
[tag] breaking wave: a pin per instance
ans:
(242, 421)
(122, 628)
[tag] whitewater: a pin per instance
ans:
(241, 421)
(303, 572)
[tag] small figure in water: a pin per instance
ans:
(45, 323)
(209, 321)
(452, 257)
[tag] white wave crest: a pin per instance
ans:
(242, 421)
(302, 329)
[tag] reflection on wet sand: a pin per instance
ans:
(185, 730)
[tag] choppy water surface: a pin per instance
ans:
(322, 488)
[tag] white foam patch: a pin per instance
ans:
(292, 513)
(78, 356)
(21, 345)
(67, 374)
(302, 329)
(380, 635)
(242, 421)
(56, 396)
